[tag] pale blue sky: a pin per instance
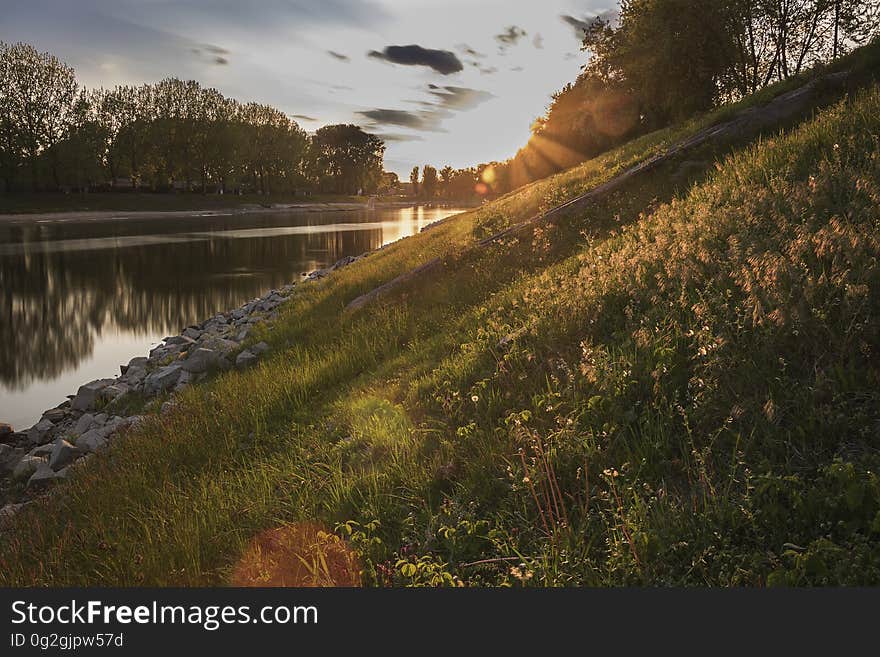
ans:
(310, 58)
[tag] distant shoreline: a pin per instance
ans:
(121, 215)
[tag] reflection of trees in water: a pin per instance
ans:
(54, 305)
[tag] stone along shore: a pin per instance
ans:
(78, 429)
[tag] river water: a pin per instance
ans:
(80, 297)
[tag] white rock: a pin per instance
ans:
(63, 454)
(27, 466)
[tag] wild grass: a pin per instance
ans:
(677, 386)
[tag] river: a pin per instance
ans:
(80, 297)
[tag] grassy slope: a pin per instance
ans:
(678, 386)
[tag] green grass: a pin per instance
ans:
(678, 386)
(25, 203)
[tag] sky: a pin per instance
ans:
(455, 82)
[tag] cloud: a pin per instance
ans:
(538, 42)
(427, 121)
(467, 50)
(209, 52)
(338, 55)
(510, 36)
(303, 117)
(459, 98)
(397, 137)
(445, 100)
(442, 61)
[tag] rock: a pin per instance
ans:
(27, 466)
(167, 407)
(92, 440)
(162, 379)
(260, 348)
(220, 345)
(84, 423)
(55, 414)
(87, 394)
(134, 375)
(114, 391)
(63, 454)
(181, 340)
(192, 333)
(245, 359)
(185, 379)
(201, 360)
(243, 333)
(43, 476)
(136, 362)
(38, 433)
(163, 352)
(101, 418)
(42, 451)
(5, 430)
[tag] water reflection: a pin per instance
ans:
(77, 298)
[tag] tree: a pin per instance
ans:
(39, 95)
(446, 174)
(414, 180)
(672, 56)
(347, 159)
(390, 183)
(429, 182)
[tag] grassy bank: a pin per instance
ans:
(678, 385)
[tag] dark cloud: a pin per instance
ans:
(338, 55)
(303, 117)
(510, 36)
(221, 61)
(442, 61)
(517, 69)
(427, 121)
(459, 98)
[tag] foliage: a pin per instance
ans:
(55, 135)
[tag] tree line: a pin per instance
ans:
(57, 135)
(663, 61)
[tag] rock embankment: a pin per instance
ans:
(70, 434)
